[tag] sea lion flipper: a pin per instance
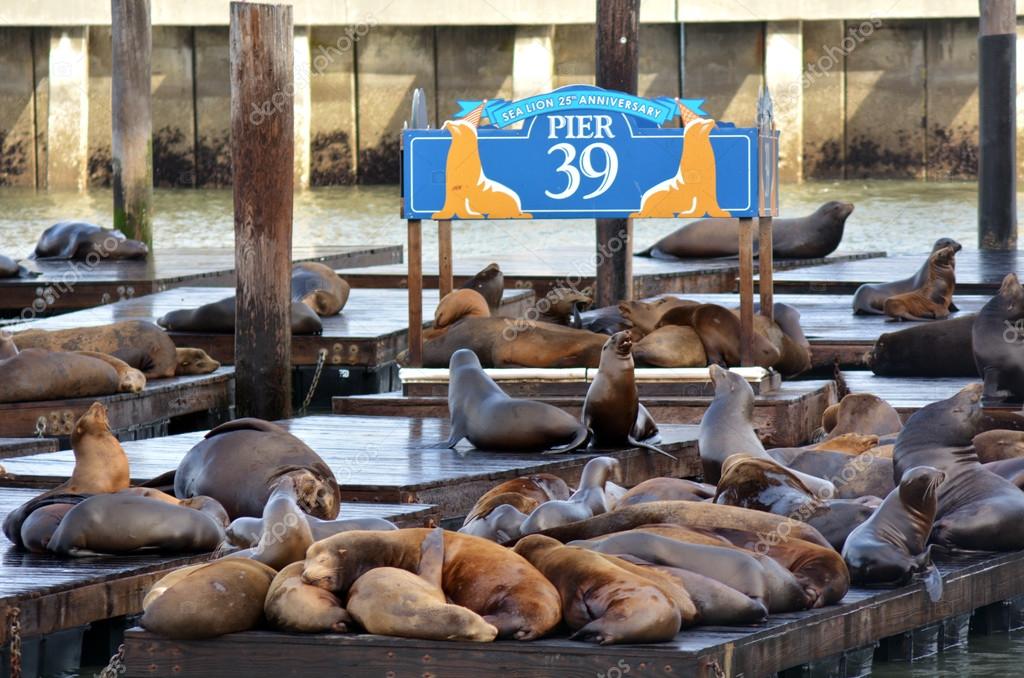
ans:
(636, 443)
(953, 308)
(582, 438)
(432, 557)
(933, 583)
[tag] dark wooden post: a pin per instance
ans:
(415, 277)
(997, 128)
(616, 51)
(765, 266)
(132, 118)
(746, 291)
(262, 150)
(444, 257)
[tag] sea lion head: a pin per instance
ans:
(919, 488)
(966, 409)
(131, 249)
(93, 422)
(194, 361)
(619, 346)
(836, 210)
(316, 494)
(464, 357)
(946, 242)
(1013, 294)
(328, 567)
(726, 382)
(944, 257)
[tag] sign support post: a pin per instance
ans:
(418, 120)
(746, 251)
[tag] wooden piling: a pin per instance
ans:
(415, 255)
(263, 150)
(132, 118)
(766, 265)
(444, 257)
(616, 51)
(746, 252)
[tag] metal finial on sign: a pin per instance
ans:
(766, 149)
(765, 112)
(419, 119)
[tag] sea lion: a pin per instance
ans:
(604, 320)
(10, 268)
(286, 535)
(194, 361)
(939, 434)
(218, 317)
(666, 489)
(563, 306)
(319, 287)
(79, 240)
(854, 476)
(490, 283)
(7, 347)
(671, 346)
(208, 600)
(602, 602)
(489, 579)
(139, 343)
(502, 524)
(35, 374)
(795, 349)
(998, 444)
(39, 526)
(646, 316)
(246, 532)
(944, 348)
(459, 304)
(870, 298)
(589, 500)
(932, 300)
(536, 489)
(978, 510)
(394, 602)
(292, 605)
(125, 522)
(1009, 469)
(891, 546)
(486, 416)
(861, 413)
(719, 332)
(998, 342)
(239, 462)
(816, 235)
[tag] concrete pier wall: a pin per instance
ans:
(855, 97)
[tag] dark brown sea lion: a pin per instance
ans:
(943, 348)
(891, 546)
(864, 414)
(139, 343)
(870, 298)
(940, 434)
(459, 304)
(292, 605)
(319, 287)
(490, 283)
(604, 320)
(218, 317)
(998, 444)
(854, 476)
(208, 600)
(240, 462)
(602, 602)
(646, 316)
(486, 416)
(719, 331)
(537, 488)
(39, 526)
(589, 500)
(932, 300)
(489, 579)
(79, 240)
(671, 346)
(666, 489)
(38, 374)
(9, 268)
(816, 235)
(998, 341)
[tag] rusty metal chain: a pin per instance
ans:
(321, 359)
(116, 665)
(14, 633)
(40, 426)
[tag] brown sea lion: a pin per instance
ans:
(537, 488)
(944, 348)
(489, 579)
(870, 298)
(218, 317)
(246, 532)
(671, 346)
(239, 463)
(998, 444)
(940, 434)
(194, 361)
(317, 286)
(646, 316)
(719, 332)
(139, 343)
(589, 500)
(7, 346)
(891, 546)
(563, 306)
(459, 304)
(486, 416)
(502, 524)
(37, 374)
(295, 606)
(670, 489)
(208, 600)
(394, 602)
(602, 602)
(795, 348)
(79, 240)
(933, 299)
(854, 476)
(490, 283)
(286, 535)
(861, 413)
(998, 342)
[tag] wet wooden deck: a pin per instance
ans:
(786, 640)
(370, 331)
(389, 459)
(17, 447)
(977, 272)
(909, 394)
(54, 593)
(70, 285)
(132, 415)
(541, 270)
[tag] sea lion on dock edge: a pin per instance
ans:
(602, 602)
(998, 342)
(9, 268)
(319, 287)
(501, 586)
(292, 605)
(194, 361)
(870, 298)
(218, 317)
(79, 240)
(944, 348)
(36, 375)
(813, 236)
(666, 489)
(490, 283)
(932, 300)
(861, 413)
(671, 346)
(491, 420)
(459, 304)
(891, 546)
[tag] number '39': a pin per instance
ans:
(586, 166)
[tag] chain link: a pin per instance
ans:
(321, 359)
(14, 633)
(116, 665)
(40, 426)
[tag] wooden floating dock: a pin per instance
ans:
(54, 593)
(977, 272)
(865, 616)
(207, 399)
(543, 270)
(909, 394)
(71, 285)
(17, 447)
(390, 459)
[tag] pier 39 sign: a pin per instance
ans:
(585, 152)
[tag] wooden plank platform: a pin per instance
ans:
(71, 285)
(784, 641)
(786, 417)
(371, 330)
(59, 593)
(977, 272)
(17, 447)
(909, 394)
(390, 459)
(542, 270)
(132, 415)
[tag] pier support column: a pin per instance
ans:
(17, 115)
(68, 106)
(533, 61)
(824, 101)
(303, 106)
(783, 74)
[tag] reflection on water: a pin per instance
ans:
(985, 656)
(897, 216)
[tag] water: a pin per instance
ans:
(896, 216)
(984, 657)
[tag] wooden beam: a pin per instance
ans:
(444, 257)
(746, 291)
(263, 150)
(132, 118)
(766, 266)
(616, 51)
(415, 278)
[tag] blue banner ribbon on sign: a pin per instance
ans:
(502, 113)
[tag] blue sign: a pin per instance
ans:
(580, 152)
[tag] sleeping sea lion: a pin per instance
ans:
(35, 374)
(292, 605)
(218, 317)
(670, 489)
(319, 287)
(671, 346)
(459, 304)
(870, 298)
(79, 240)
